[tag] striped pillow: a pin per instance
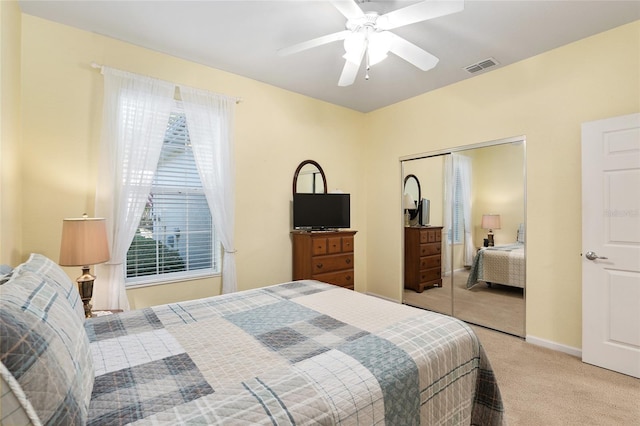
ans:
(50, 271)
(44, 347)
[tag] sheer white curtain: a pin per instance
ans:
(447, 214)
(135, 116)
(210, 120)
(462, 167)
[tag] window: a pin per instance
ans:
(175, 238)
(456, 233)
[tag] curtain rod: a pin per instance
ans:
(101, 68)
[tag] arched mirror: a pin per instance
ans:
(309, 178)
(412, 196)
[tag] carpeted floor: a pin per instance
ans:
(540, 386)
(499, 307)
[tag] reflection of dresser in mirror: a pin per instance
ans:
(422, 257)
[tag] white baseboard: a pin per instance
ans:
(554, 345)
(577, 352)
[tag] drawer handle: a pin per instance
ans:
(319, 266)
(348, 277)
(348, 261)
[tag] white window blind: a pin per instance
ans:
(456, 235)
(175, 239)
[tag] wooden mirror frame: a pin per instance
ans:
(414, 212)
(300, 166)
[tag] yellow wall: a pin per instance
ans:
(498, 187)
(274, 131)
(545, 98)
(10, 185)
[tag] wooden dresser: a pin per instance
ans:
(324, 256)
(422, 257)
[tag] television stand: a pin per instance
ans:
(326, 256)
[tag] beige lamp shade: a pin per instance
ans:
(490, 221)
(84, 242)
(408, 202)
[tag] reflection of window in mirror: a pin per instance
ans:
(309, 178)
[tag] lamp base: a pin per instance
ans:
(85, 288)
(490, 239)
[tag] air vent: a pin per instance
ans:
(481, 66)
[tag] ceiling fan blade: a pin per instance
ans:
(412, 53)
(348, 8)
(313, 43)
(349, 72)
(427, 9)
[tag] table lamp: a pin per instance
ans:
(84, 243)
(407, 204)
(490, 222)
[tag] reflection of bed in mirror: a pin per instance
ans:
(502, 264)
(499, 265)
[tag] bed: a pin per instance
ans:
(301, 352)
(504, 264)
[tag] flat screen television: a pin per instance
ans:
(321, 211)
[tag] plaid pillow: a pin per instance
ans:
(16, 408)
(44, 346)
(53, 274)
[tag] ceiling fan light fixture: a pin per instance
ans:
(354, 44)
(378, 46)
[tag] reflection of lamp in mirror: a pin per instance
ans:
(84, 243)
(407, 204)
(490, 222)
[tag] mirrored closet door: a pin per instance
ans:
(476, 195)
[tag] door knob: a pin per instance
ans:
(591, 255)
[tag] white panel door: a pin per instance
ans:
(611, 243)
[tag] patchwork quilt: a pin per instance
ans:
(303, 352)
(500, 265)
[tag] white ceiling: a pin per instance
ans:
(243, 37)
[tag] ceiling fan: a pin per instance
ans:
(367, 35)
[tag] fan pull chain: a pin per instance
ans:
(368, 66)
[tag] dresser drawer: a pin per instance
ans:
(343, 278)
(430, 275)
(430, 235)
(334, 245)
(318, 246)
(429, 262)
(430, 249)
(330, 263)
(347, 244)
